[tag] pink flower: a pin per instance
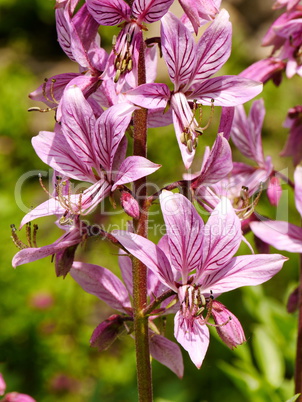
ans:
(106, 286)
(190, 67)
(197, 262)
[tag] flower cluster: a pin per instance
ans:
(97, 111)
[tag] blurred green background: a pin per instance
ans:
(46, 323)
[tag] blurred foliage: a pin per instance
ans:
(46, 322)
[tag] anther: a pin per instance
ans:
(28, 234)
(183, 138)
(128, 37)
(17, 242)
(117, 76)
(210, 118)
(38, 109)
(34, 238)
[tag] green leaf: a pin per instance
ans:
(294, 398)
(268, 356)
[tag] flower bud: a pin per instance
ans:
(274, 191)
(130, 205)
(2, 385)
(106, 332)
(293, 301)
(16, 397)
(228, 326)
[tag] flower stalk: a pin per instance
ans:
(139, 270)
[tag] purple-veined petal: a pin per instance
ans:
(125, 264)
(228, 90)
(109, 12)
(87, 84)
(110, 129)
(54, 150)
(192, 336)
(184, 122)
(86, 202)
(226, 121)
(78, 124)
(217, 164)
(167, 353)
(149, 96)
(214, 48)
(82, 38)
(102, 283)
(264, 70)
(298, 188)
(246, 131)
(222, 238)
(63, 30)
(151, 61)
(133, 168)
(184, 229)
(178, 49)
(47, 208)
(159, 117)
(245, 270)
(51, 91)
(150, 10)
(279, 234)
(149, 254)
(31, 254)
(200, 11)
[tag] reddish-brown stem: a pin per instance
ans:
(298, 368)
(143, 365)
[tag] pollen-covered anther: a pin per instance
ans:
(245, 206)
(50, 98)
(31, 237)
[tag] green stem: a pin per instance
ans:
(143, 364)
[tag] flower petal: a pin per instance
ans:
(109, 12)
(110, 128)
(149, 254)
(184, 229)
(78, 124)
(192, 336)
(167, 353)
(133, 168)
(222, 238)
(102, 283)
(178, 49)
(217, 164)
(150, 10)
(245, 270)
(246, 131)
(227, 90)
(214, 47)
(54, 150)
(149, 96)
(298, 188)
(279, 234)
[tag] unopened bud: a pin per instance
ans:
(227, 325)
(293, 301)
(106, 332)
(274, 191)
(130, 205)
